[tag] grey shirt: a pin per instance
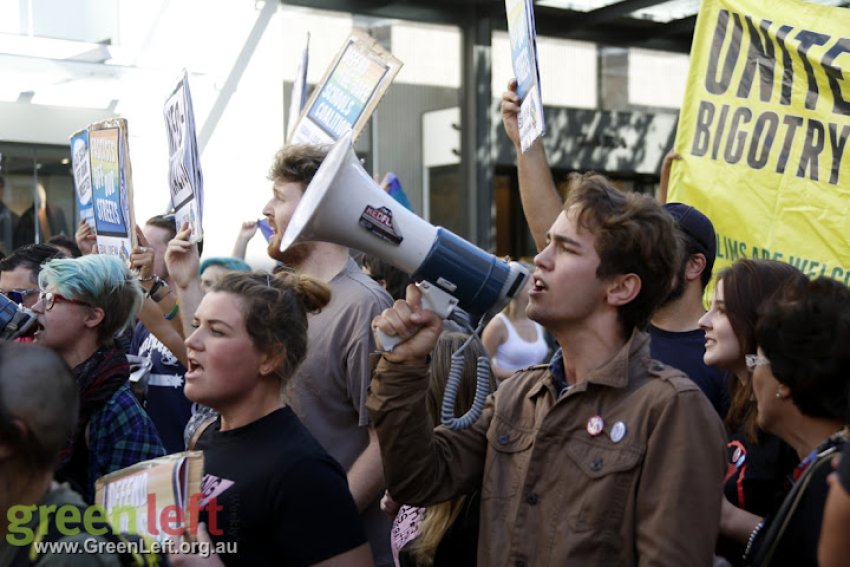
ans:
(331, 386)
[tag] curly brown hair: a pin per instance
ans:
(275, 309)
(633, 235)
(298, 163)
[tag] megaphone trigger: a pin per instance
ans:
(385, 342)
(433, 299)
(436, 300)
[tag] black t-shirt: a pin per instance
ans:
(165, 402)
(283, 499)
(684, 350)
(758, 475)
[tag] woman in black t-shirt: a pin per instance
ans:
(270, 489)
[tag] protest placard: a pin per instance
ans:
(298, 98)
(763, 132)
(81, 166)
(112, 188)
(348, 93)
(185, 179)
(158, 498)
(523, 36)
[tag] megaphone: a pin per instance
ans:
(15, 320)
(345, 206)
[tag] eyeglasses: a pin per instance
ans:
(754, 360)
(49, 299)
(18, 295)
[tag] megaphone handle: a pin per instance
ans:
(433, 299)
(388, 343)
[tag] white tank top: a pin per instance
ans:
(516, 352)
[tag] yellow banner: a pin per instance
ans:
(763, 132)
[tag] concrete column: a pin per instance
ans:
(476, 151)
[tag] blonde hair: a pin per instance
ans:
(510, 309)
(440, 517)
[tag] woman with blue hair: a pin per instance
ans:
(213, 269)
(82, 305)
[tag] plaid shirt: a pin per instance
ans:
(121, 434)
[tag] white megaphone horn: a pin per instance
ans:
(345, 206)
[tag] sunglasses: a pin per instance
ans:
(49, 299)
(18, 295)
(754, 360)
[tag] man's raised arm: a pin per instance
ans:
(541, 201)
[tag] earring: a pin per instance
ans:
(778, 395)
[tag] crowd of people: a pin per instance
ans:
(658, 432)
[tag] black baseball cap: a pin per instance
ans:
(697, 228)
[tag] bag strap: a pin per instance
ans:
(200, 431)
(783, 517)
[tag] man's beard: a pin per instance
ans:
(293, 256)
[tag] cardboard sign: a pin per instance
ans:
(81, 166)
(299, 90)
(185, 179)
(158, 498)
(349, 92)
(523, 35)
(112, 188)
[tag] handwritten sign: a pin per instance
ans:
(185, 179)
(159, 498)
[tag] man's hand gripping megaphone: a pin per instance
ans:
(408, 331)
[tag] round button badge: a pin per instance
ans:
(595, 425)
(618, 431)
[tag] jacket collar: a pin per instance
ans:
(631, 359)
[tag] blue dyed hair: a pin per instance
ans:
(101, 280)
(227, 262)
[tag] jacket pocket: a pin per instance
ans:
(606, 479)
(507, 460)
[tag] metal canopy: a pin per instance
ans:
(613, 24)
(652, 24)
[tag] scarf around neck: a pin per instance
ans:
(98, 378)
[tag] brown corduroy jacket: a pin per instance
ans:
(552, 493)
